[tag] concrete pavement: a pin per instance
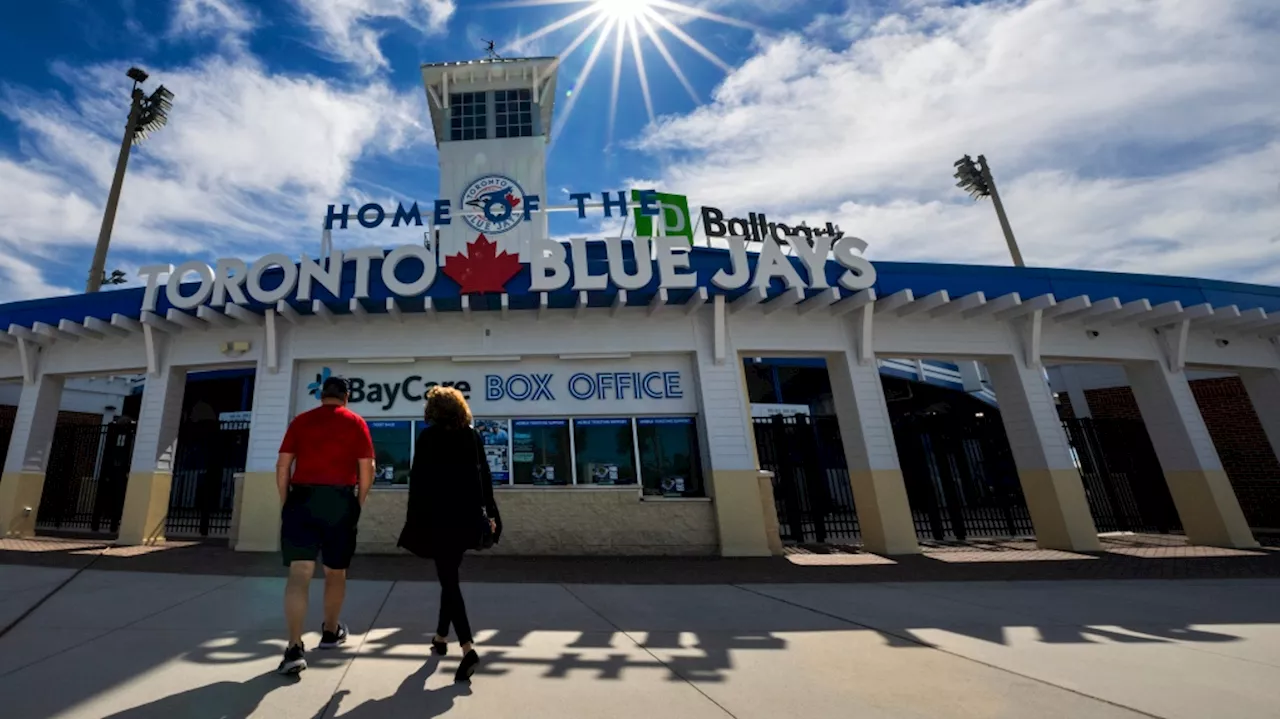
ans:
(125, 644)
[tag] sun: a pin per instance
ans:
(623, 10)
(628, 23)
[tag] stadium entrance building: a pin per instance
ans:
(631, 391)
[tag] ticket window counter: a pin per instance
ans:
(657, 455)
(393, 443)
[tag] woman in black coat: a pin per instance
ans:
(450, 504)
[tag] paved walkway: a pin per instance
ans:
(151, 644)
(1125, 556)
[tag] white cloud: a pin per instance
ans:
(23, 280)
(346, 26)
(221, 18)
(249, 159)
(1142, 135)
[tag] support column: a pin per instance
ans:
(1050, 481)
(1263, 387)
(257, 498)
(23, 480)
(1204, 497)
(879, 492)
(155, 450)
(1075, 391)
(733, 481)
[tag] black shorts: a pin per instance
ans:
(319, 519)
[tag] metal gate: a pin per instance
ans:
(811, 488)
(1123, 481)
(209, 456)
(961, 479)
(86, 477)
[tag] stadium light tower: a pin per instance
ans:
(975, 178)
(147, 113)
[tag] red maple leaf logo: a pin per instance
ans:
(512, 201)
(482, 269)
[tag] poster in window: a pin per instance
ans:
(605, 450)
(392, 451)
(669, 456)
(540, 452)
(496, 450)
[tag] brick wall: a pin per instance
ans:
(567, 522)
(1237, 435)
(79, 418)
(1112, 403)
(1065, 410)
(1236, 431)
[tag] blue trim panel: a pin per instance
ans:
(921, 278)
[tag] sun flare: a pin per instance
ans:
(622, 10)
(629, 23)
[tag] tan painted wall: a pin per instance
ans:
(579, 521)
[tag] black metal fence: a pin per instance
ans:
(811, 486)
(202, 494)
(1260, 502)
(86, 477)
(961, 479)
(1122, 477)
(6, 432)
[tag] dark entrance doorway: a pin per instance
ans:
(961, 479)
(811, 488)
(1122, 477)
(210, 453)
(86, 478)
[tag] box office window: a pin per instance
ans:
(669, 456)
(605, 451)
(392, 451)
(540, 452)
(496, 435)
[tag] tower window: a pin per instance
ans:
(513, 113)
(468, 118)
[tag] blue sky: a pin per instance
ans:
(1139, 136)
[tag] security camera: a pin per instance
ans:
(1093, 333)
(1221, 342)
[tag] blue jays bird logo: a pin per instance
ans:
(496, 202)
(314, 388)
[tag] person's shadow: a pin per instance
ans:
(412, 698)
(215, 701)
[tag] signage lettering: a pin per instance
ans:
(608, 386)
(549, 266)
(519, 387)
(495, 204)
(386, 394)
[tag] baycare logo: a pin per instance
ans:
(500, 201)
(385, 394)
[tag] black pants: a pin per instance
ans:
(452, 609)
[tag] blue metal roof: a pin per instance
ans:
(921, 278)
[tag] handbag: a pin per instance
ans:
(486, 531)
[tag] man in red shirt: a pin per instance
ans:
(330, 453)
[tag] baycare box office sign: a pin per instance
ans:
(533, 387)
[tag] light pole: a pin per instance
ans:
(975, 178)
(147, 113)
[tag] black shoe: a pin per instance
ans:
(295, 660)
(440, 648)
(467, 667)
(332, 640)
